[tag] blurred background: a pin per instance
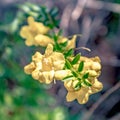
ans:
(22, 98)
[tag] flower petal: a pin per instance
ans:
(96, 66)
(59, 75)
(30, 20)
(47, 77)
(97, 86)
(82, 95)
(72, 43)
(29, 68)
(42, 29)
(58, 60)
(37, 57)
(69, 85)
(43, 40)
(37, 26)
(49, 50)
(70, 96)
(36, 74)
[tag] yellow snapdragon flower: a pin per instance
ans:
(31, 30)
(47, 67)
(91, 66)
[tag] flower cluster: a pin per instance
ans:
(83, 82)
(78, 73)
(47, 67)
(35, 34)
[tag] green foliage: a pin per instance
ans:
(86, 75)
(41, 13)
(81, 66)
(70, 77)
(78, 85)
(21, 97)
(76, 59)
(68, 64)
(69, 53)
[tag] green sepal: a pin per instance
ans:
(81, 66)
(76, 59)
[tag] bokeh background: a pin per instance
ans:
(22, 98)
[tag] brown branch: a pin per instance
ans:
(89, 113)
(78, 9)
(114, 7)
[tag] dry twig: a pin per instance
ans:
(88, 114)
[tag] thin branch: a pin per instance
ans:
(102, 98)
(78, 9)
(114, 7)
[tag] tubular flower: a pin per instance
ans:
(34, 28)
(81, 87)
(47, 67)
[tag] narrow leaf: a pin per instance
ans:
(87, 83)
(75, 74)
(76, 59)
(78, 86)
(64, 44)
(70, 77)
(68, 64)
(81, 66)
(69, 52)
(86, 75)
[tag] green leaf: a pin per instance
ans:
(76, 59)
(86, 75)
(54, 12)
(55, 37)
(60, 32)
(78, 86)
(69, 53)
(68, 77)
(87, 83)
(81, 66)
(64, 44)
(68, 64)
(75, 74)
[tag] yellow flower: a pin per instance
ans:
(43, 40)
(91, 66)
(47, 67)
(34, 28)
(82, 94)
(71, 43)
